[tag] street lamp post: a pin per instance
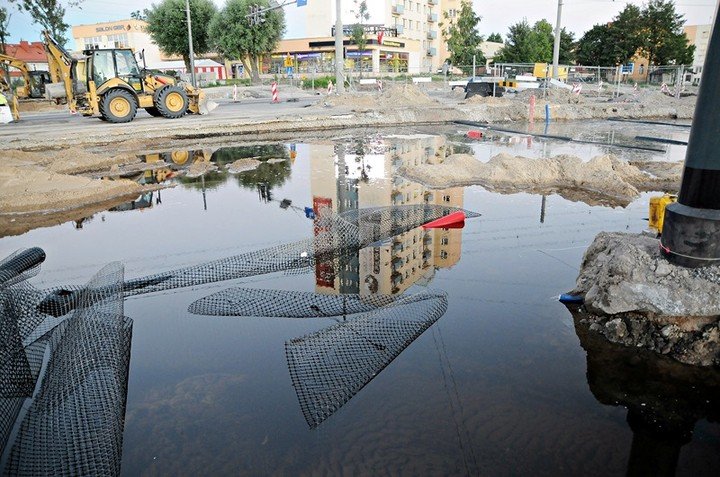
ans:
(691, 229)
(190, 44)
(556, 45)
(339, 60)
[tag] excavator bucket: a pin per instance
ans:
(205, 105)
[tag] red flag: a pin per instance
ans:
(380, 37)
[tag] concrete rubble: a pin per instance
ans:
(635, 297)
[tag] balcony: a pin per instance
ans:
(432, 18)
(431, 51)
(432, 34)
(398, 10)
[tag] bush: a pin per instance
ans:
(321, 82)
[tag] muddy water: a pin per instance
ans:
(502, 384)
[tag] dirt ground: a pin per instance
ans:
(42, 155)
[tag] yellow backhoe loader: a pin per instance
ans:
(34, 87)
(108, 83)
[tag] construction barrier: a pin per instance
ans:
(330, 88)
(274, 91)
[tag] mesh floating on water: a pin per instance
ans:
(330, 366)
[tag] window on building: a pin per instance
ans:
(118, 40)
(446, 198)
(642, 69)
(444, 241)
(443, 254)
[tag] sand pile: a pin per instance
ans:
(243, 165)
(392, 97)
(66, 161)
(37, 190)
(552, 96)
(604, 180)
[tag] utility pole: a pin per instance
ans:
(190, 44)
(691, 229)
(556, 46)
(339, 60)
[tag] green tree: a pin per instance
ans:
(495, 37)
(49, 14)
(138, 15)
(462, 36)
(593, 48)
(526, 44)
(234, 37)
(665, 41)
(358, 29)
(4, 24)
(167, 25)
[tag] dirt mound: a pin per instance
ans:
(200, 168)
(552, 95)
(66, 161)
(243, 165)
(38, 105)
(23, 190)
(604, 180)
(392, 97)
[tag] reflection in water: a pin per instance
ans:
(664, 398)
(63, 382)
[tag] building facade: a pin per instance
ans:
(32, 53)
(698, 35)
(402, 36)
(119, 34)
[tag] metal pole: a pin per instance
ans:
(556, 46)
(190, 44)
(473, 76)
(339, 60)
(691, 229)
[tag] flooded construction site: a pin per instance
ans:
(296, 308)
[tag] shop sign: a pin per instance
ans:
(396, 44)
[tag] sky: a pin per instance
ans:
(578, 16)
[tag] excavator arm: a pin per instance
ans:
(18, 65)
(62, 70)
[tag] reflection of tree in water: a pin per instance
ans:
(664, 398)
(270, 174)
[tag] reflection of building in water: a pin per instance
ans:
(361, 178)
(664, 398)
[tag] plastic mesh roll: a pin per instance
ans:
(330, 366)
(286, 304)
(71, 421)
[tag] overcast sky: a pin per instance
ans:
(577, 16)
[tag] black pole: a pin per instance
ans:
(691, 231)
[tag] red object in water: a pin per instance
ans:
(456, 220)
(474, 134)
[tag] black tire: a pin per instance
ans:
(153, 111)
(172, 101)
(118, 106)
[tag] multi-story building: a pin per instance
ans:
(699, 35)
(118, 34)
(410, 41)
(345, 181)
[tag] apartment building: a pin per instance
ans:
(699, 35)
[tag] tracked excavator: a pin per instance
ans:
(110, 84)
(34, 87)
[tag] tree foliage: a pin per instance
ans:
(358, 29)
(4, 24)
(49, 14)
(495, 37)
(234, 37)
(462, 36)
(139, 15)
(534, 44)
(655, 31)
(167, 25)
(665, 41)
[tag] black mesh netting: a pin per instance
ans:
(334, 235)
(63, 399)
(330, 366)
(285, 304)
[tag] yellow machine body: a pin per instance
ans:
(657, 210)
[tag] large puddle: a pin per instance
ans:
(501, 383)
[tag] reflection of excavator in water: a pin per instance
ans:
(34, 87)
(109, 83)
